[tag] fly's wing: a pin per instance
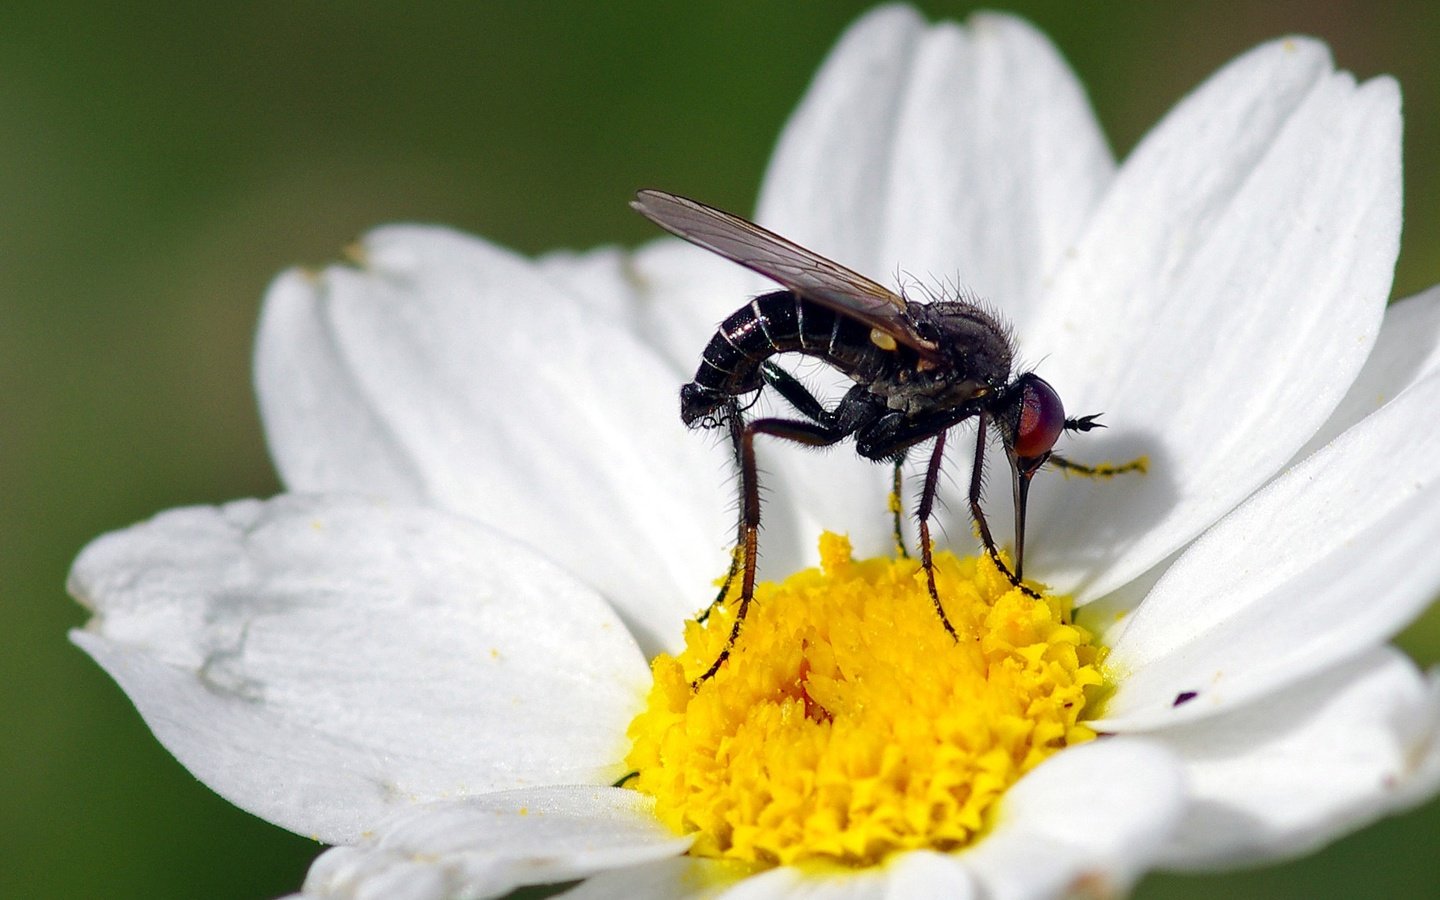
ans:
(808, 274)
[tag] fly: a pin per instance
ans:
(919, 369)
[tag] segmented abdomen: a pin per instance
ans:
(779, 322)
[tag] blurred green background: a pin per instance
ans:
(159, 162)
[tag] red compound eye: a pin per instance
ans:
(1042, 418)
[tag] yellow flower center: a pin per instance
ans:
(847, 724)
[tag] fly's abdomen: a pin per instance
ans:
(778, 322)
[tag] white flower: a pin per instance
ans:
(429, 651)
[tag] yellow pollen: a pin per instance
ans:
(847, 725)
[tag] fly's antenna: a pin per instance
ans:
(1084, 423)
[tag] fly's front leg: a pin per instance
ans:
(977, 485)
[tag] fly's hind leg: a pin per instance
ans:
(734, 421)
(807, 405)
(807, 433)
(824, 428)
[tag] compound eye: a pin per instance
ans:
(1042, 418)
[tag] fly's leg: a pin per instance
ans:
(735, 422)
(825, 428)
(977, 484)
(807, 433)
(897, 507)
(927, 505)
(796, 394)
(807, 405)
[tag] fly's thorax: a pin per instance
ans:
(976, 346)
(973, 359)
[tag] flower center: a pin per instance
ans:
(847, 724)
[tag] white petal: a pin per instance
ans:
(789, 883)
(1087, 822)
(672, 295)
(808, 491)
(1423, 735)
(963, 156)
(909, 876)
(1330, 559)
(665, 879)
(1288, 774)
(1407, 350)
(1218, 306)
(669, 293)
(487, 846)
(826, 184)
(924, 874)
(450, 372)
(600, 277)
(319, 662)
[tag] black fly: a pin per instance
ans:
(918, 368)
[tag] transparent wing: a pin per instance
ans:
(808, 274)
